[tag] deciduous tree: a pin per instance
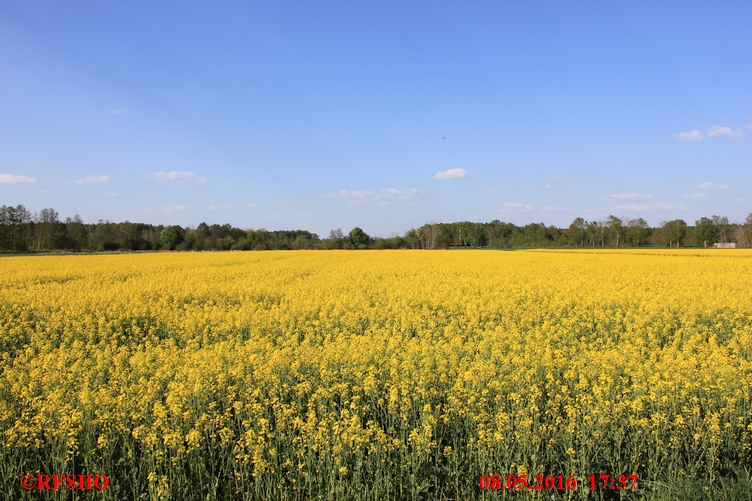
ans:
(706, 232)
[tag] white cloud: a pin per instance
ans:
(654, 207)
(251, 206)
(12, 179)
(168, 209)
(694, 135)
(93, 179)
(176, 175)
(109, 194)
(749, 126)
(175, 208)
(618, 197)
(713, 186)
(742, 199)
(715, 131)
(304, 214)
(451, 174)
(219, 207)
(119, 111)
(518, 206)
(721, 131)
(383, 197)
(693, 196)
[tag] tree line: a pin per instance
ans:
(23, 231)
(610, 232)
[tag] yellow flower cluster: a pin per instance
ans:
(373, 375)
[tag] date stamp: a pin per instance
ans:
(600, 482)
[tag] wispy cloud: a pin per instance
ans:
(518, 206)
(565, 179)
(220, 207)
(169, 209)
(716, 131)
(713, 186)
(451, 174)
(721, 131)
(619, 197)
(176, 175)
(13, 179)
(93, 179)
(694, 135)
(176, 208)
(654, 207)
(252, 206)
(109, 194)
(118, 111)
(383, 197)
(693, 196)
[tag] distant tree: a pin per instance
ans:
(15, 231)
(433, 236)
(336, 240)
(172, 236)
(129, 236)
(553, 235)
(637, 232)
(592, 232)
(577, 232)
(494, 234)
(358, 239)
(225, 243)
(78, 235)
(533, 234)
(740, 235)
(602, 232)
(302, 242)
(20, 221)
(479, 235)
(466, 234)
(616, 229)
(47, 225)
(201, 235)
(674, 232)
(412, 239)
(706, 232)
(104, 236)
(724, 228)
(393, 242)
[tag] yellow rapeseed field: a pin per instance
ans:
(376, 374)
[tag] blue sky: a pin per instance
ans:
(384, 115)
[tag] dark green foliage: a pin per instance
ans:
(359, 239)
(706, 232)
(23, 231)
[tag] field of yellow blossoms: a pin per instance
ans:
(377, 375)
